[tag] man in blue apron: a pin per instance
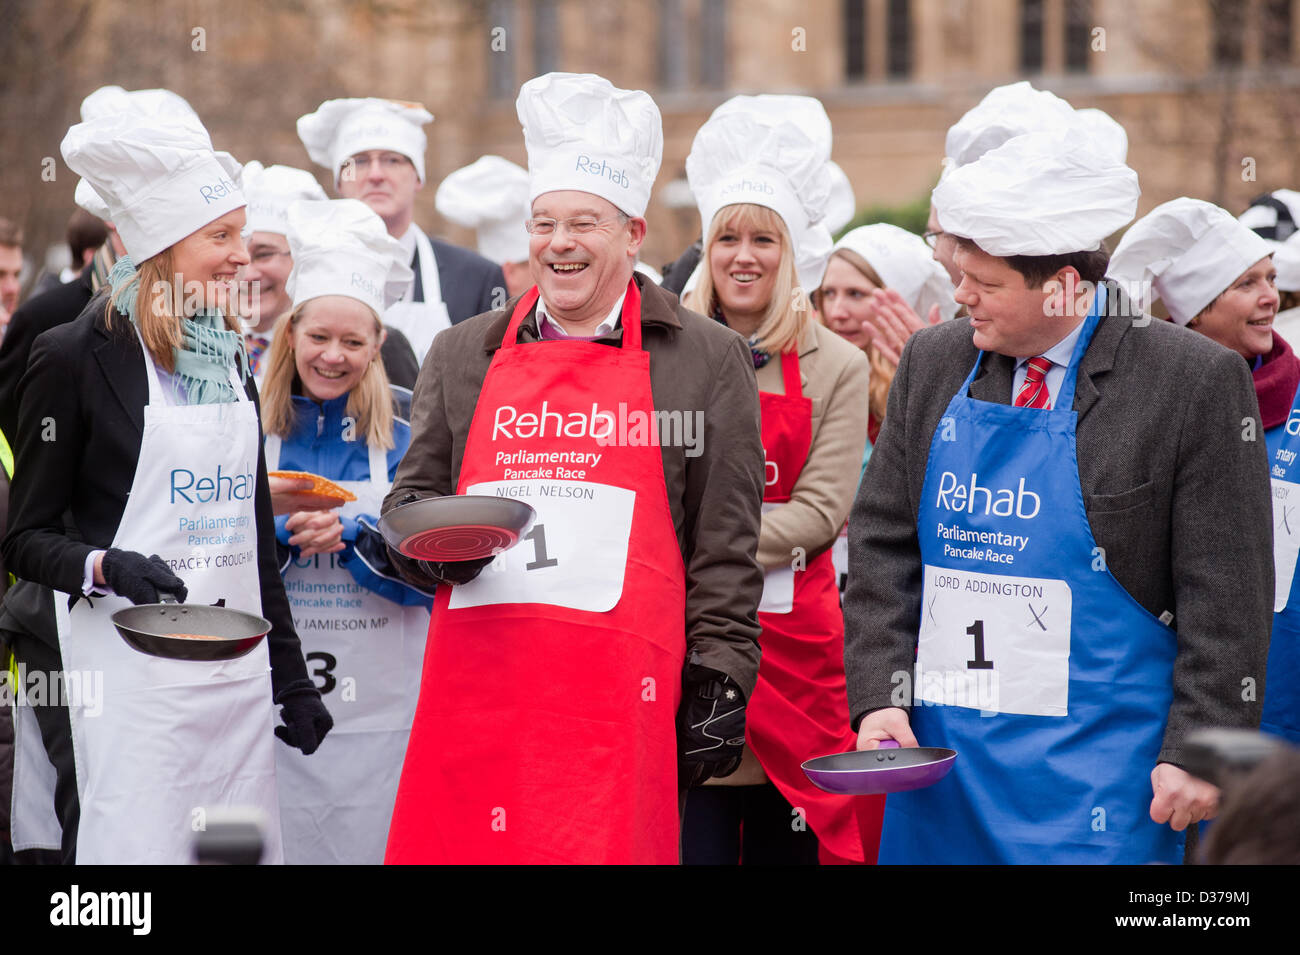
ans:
(1065, 521)
(375, 148)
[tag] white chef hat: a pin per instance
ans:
(1264, 217)
(271, 190)
(1005, 113)
(843, 205)
(341, 128)
(1188, 251)
(342, 247)
(904, 263)
(490, 195)
(1286, 259)
(158, 176)
(771, 151)
(114, 99)
(585, 134)
(1104, 131)
(1044, 193)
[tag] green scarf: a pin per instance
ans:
(207, 349)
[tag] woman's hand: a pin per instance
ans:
(287, 496)
(895, 323)
(315, 532)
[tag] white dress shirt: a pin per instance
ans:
(604, 328)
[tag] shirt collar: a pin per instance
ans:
(604, 328)
(1061, 352)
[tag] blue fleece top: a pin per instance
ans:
(318, 444)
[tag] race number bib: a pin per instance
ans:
(994, 643)
(778, 583)
(1286, 539)
(574, 556)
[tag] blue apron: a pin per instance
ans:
(1051, 682)
(1281, 714)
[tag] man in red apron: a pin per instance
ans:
(1066, 524)
(549, 721)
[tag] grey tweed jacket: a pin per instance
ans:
(1174, 475)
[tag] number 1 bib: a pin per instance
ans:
(545, 730)
(1033, 662)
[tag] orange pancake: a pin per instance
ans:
(323, 488)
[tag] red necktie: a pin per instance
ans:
(1034, 393)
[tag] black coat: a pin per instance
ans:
(80, 425)
(469, 282)
(38, 314)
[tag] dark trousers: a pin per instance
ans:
(753, 825)
(56, 733)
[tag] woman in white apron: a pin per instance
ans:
(142, 475)
(327, 410)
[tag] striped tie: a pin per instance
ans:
(1034, 393)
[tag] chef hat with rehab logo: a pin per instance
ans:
(1188, 251)
(271, 190)
(904, 263)
(771, 151)
(341, 128)
(157, 176)
(114, 99)
(1044, 193)
(585, 134)
(342, 247)
(490, 195)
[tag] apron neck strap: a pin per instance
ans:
(1065, 398)
(631, 316)
(271, 448)
(790, 373)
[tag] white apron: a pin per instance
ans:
(365, 653)
(33, 823)
(421, 321)
(176, 739)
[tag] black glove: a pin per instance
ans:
(710, 725)
(455, 571)
(306, 721)
(139, 578)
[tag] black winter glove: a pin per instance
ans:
(139, 578)
(710, 725)
(455, 571)
(306, 721)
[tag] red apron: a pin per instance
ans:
(800, 708)
(545, 730)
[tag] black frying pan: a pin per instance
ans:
(226, 633)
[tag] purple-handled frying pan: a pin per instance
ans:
(888, 769)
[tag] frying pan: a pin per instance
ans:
(145, 627)
(888, 769)
(456, 527)
(1222, 756)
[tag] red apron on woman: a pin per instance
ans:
(545, 730)
(800, 706)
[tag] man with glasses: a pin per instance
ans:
(549, 727)
(265, 295)
(375, 148)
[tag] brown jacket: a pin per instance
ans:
(714, 483)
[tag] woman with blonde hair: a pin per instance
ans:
(138, 426)
(758, 168)
(327, 410)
